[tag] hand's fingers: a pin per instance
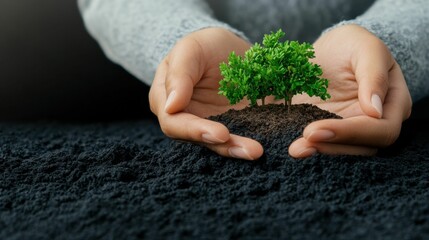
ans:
(182, 125)
(238, 147)
(398, 103)
(360, 130)
(371, 68)
(185, 69)
(188, 127)
(302, 148)
(157, 95)
(367, 131)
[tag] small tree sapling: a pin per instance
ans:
(279, 69)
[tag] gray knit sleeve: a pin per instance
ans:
(138, 34)
(403, 25)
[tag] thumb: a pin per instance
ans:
(185, 69)
(371, 68)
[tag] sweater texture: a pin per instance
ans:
(138, 34)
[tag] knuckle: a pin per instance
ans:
(381, 79)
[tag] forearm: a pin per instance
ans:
(403, 26)
(138, 34)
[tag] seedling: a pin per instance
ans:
(279, 69)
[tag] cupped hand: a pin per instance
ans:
(367, 89)
(185, 91)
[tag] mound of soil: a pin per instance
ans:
(272, 124)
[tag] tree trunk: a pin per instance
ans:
(289, 104)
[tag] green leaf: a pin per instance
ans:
(281, 69)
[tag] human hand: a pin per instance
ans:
(367, 89)
(185, 90)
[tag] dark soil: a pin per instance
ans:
(128, 181)
(273, 125)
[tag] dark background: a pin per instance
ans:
(50, 68)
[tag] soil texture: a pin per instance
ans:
(126, 180)
(273, 124)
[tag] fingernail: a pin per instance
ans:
(170, 99)
(321, 135)
(238, 152)
(210, 139)
(307, 152)
(377, 104)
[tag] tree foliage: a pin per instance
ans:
(279, 69)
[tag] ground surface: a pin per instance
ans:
(126, 180)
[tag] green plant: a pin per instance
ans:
(279, 69)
